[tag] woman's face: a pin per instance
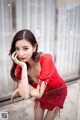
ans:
(24, 50)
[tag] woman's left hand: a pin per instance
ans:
(15, 59)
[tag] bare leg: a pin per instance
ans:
(38, 112)
(50, 115)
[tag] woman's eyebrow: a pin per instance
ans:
(25, 46)
(22, 46)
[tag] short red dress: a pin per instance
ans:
(56, 89)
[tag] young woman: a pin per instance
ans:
(36, 76)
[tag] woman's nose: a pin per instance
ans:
(21, 53)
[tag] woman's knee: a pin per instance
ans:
(37, 105)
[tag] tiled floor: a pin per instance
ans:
(24, 109)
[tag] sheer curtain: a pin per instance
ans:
(6, 84)
(38, 16)
(68, 38)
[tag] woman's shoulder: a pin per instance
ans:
(45, 55)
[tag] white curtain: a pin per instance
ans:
(6, 84)
(68, 38)
(39, 17)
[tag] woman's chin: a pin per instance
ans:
(23, 60)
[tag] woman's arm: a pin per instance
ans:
(38, 92)
(23, 86)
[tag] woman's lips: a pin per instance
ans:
(22, 58)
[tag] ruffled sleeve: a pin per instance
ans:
(47, 67)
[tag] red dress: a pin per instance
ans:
(56, 89)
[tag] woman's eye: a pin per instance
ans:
(25, 48)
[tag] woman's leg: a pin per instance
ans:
(38, 112)
(50, 115)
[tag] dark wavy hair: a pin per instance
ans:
(28, 36)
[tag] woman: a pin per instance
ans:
(36, 76)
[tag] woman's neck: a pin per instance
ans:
(32, 63)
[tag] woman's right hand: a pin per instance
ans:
(15, 59)
(15, 94)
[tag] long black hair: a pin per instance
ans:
(28, 36)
